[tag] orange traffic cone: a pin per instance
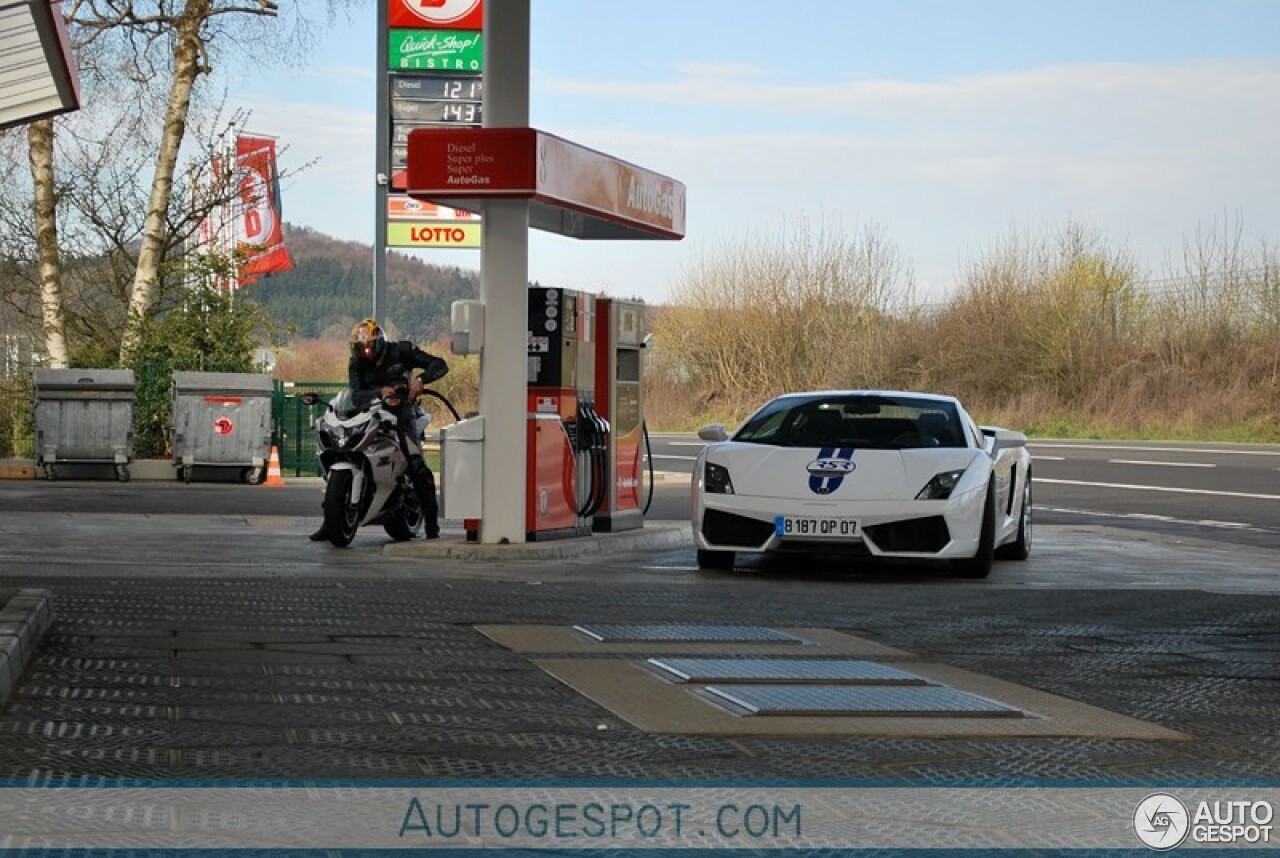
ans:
(274, 477)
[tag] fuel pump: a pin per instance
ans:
(617, 366)
(566, 439)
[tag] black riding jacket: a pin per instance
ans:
(366, 378)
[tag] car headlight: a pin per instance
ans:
(716, 480)
(941, 486)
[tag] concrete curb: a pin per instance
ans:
(654, 535)
(24, 619)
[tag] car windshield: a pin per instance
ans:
(875, 421)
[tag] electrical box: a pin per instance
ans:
(466, 327)
(462, 468)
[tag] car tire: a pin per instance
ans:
(1020, 548)
(721, 561)
(979, 566)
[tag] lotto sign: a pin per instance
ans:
(433, 235)
(438, 14)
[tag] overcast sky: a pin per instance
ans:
(946, 123)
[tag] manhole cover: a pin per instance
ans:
(783, 670)
(927, 700)
(685, 634)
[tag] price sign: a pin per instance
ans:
(468, 112)
(423, 87)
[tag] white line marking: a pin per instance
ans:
(681, 458)
(1158, 489)
(687, 443)
(1052, 446)
(1050, 458)
(1223, 525)
(1164, 464)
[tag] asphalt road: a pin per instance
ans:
(199, 635)
(1222, 492)
(1227, 492)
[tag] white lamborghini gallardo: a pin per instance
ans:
(876, 473)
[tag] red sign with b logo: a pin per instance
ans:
(436, 14)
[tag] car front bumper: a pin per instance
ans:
(946, 529)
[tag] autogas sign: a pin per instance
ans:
(464, 235)
(438, 14)
(435, 50)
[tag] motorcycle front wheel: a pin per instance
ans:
(341, 511)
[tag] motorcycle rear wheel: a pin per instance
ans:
(405, 522)
(341, 511)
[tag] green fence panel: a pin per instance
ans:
(294, 419)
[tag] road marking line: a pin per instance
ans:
(1164, 464)
(681, 458)
(1050, 458)
(1165, 519)
(687, 443)
(1250, 495)
(1053, 446)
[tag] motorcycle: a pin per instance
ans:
(366, 472)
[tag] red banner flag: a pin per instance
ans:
(259, 233)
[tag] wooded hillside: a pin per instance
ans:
(331, 285)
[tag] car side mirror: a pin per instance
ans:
(1008, 438)
(714, 432)
(1003, 439)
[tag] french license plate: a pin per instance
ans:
(811, 527)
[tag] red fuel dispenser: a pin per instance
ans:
(565, 437)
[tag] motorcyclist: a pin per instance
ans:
(380, 369)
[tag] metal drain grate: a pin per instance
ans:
(685, 634)
(809, 670)
(928, 700)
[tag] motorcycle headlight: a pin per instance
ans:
(716, 479)
(941, 486)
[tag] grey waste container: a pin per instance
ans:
(84, 416)
(222, 419)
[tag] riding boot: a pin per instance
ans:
(321, 534)
(424, 486)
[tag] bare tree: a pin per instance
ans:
(187, 28)
(40, 140)
(134, 54)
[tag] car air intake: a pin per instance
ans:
(725, 528)
(920, 535)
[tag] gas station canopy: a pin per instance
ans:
(37, 71)
(572, 190)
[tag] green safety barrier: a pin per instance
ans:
(295, 438)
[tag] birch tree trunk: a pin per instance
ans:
(49, 271)
(188, 52)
